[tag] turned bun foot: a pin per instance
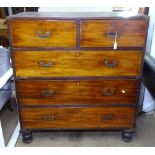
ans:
(27, 137)
(127, 135)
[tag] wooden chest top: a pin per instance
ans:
(81, 15)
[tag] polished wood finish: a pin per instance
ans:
(41, 33)
(105, 92)
(76, 15)
(77, 117)
(76, 63)
(68, 75)
(131, 33)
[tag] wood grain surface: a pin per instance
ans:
(43, 33)
(131, 33)
(71, 117)
(48, 92)
(76, 63)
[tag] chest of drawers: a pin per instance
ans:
(77, 71)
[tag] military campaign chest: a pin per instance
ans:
(77, 71)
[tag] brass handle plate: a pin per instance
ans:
(107, 117)
(112, 34)
(47, 93)
(45, 64)
(110, 63)
(48, 117)
(44, 35)
(108, 91)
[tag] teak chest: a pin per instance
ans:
(77, 71)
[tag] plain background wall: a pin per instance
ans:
(82, 9)
(150, 45)
(75, 9)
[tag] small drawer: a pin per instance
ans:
(102, 33)
(52, 92)
(77, 117)
(43, 33)
(77, 63)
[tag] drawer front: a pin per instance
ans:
(43, 33)
(46, 92)
(71, 117)
(102, 33)
(74, 63)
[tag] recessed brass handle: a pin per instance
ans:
(107, 117)
(48, 117)
(44, 35)
(47, 93)
(110, 63)
(112, 34)
(108, 91)
(45, 64)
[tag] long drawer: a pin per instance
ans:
(105, 92)
(77, 63)
(78, 117)
(43, 33)
(102, 33)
